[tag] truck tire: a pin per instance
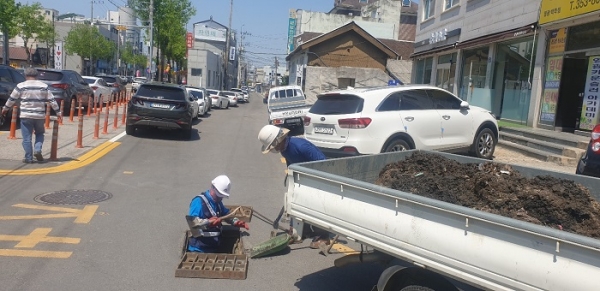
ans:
(398, 278)
(397, 145)
(484, 144)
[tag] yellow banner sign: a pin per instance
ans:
(554, 10)
(557, 41)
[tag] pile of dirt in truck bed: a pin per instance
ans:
(498, 189)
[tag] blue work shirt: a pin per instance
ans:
(299, 150)
(200, 210)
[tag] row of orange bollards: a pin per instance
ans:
(95, 107)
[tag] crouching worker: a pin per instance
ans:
(203, 217)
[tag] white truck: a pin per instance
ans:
(437, 245)
(287, 107)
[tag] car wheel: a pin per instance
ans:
(130, 130)
(484, 144)
(397, 145)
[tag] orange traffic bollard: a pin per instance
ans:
(105, 130)
(62, 108)
(116, 119)
(13, 123)
(124, 113)
(72, 110)
(79, 105)
(90, 103)
(54, 145)
(97, 126)
(47, 121)
(80, 133)
(100, 103)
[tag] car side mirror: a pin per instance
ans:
(464, 105)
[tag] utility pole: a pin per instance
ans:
(226, 77)
(239, 55)
(276, 79)
(151, 9)
(91, 32)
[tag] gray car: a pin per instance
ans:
(66, 85)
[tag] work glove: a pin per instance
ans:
(214, 221)
(242, 224)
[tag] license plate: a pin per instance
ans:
(159, 105)
(293, 120)
(324, 130)
(292, 112)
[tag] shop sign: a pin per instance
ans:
(203, 32)
(291, 33)
(557, 41)
(591, 99)
(438, 36)
(550, 98)
(189, 40)
(554, 10)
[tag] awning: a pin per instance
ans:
(434, 50)
(496, 37)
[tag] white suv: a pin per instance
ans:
(397, 118)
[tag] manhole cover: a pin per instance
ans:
(73, 197)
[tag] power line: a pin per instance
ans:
(271, 54)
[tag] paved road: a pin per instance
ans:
(132, 240)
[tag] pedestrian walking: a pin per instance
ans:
(34, 97)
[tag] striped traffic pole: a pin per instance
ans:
(105, 130)
(13, 123)
(47, 121)
(54, 144)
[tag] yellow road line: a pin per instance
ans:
(34, 254)
(343, 249)
(83, 161)
(283, 160)
(36, 236)
(82, 216)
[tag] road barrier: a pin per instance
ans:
(89, 109)
(13, 123)
(72, 111)
(116, 119)
(47, 121)
(62, 108)
(97, 126)
(105, 130)
(79, 107)
(80, 132)
(124, 112)
(54, 144)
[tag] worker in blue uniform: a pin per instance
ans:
(295, 150)
(204, 217)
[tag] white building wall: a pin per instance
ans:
(309, 21)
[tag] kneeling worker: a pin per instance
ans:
(206, 209)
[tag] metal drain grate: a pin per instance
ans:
(73, 197)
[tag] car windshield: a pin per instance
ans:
(286, 93)
(337, 104)
(162, 92)
(197, 94)
(90, 81)
(49, 75)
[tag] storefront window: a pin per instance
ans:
(445, 72)
(472, 87)
(512, 73)
(424, 71)
(584, 36)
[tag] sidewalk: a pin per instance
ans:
(11, 150)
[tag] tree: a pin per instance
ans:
(285, 80)
(30, 22)
(86, 41)
(8, 27)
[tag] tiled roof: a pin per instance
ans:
(16, 53)
(402, 48)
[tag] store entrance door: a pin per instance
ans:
(570, 97)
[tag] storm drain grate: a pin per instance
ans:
(73, 197)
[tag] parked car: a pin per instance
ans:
(218, 100)
(102, 92)
(66, 85)
(398, 118)
(243, 97)
(9, 78)
(114, 81)
(589, 164)
(137, 81)
(201, 97)
(233, 97)
(160, 105)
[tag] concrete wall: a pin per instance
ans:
(210, 64)
(324, 79)
(309, 21)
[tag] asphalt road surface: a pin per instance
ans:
(132, 241)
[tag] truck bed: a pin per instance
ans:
(485, 250)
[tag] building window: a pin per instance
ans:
(196, 72)
(424, 71)
(473, 79)
(207, 81)
(429, 8)
(445, 72)
(450, 4)
(344, 83)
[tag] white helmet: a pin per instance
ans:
(270, 136)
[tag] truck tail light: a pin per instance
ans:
(306, 121)
(277, 121)
(94, 87)
(596, 138)
(354, 123)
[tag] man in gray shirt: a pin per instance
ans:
(34, 97)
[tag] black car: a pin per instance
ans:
(66, 85)
(589, 164)
(9, 78)
(160, 105)
(116, 82)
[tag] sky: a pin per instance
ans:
(265, 21)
